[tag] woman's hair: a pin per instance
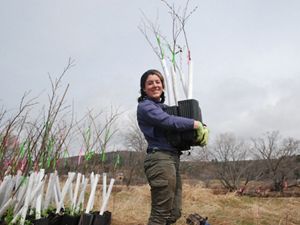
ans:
(143, 83)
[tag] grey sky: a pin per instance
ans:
(246, 57)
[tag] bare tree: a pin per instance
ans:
(230, 158)
(277, 154)
(10, 130)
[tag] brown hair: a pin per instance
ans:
(143, 82)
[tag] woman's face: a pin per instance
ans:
(153, 87)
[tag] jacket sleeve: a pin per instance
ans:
(153, 114)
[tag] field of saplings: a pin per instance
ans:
(97, 199)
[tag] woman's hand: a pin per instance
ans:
(202, 133)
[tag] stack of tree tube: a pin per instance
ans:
(39, 199)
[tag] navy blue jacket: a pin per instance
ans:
(153, 122)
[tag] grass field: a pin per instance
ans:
(131, 206)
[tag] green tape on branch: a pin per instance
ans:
(24, 180)
(88, 135)
(54, 164)
(103, 156)
(173, 58)
(49, 162)
(22, 149)
(118, 161)
(89, 155)
(29, 159)
(160, 47)
(66, 153)
(50, 145)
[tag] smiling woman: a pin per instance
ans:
(162, 161)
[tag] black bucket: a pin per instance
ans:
(86, 219)
(104, 219)
(189, 109)
(55, 219)
(70, 220)
(41, 221)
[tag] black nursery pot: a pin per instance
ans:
(104, 219)
(70, 220)
(42, 221)
(86, 219)
(55, 219)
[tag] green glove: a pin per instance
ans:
(202, 135)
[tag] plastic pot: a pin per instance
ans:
(55, 219)
(70, 220)
(104, 219)
(86, 219)
(42, 221)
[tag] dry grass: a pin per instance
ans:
(131, 206)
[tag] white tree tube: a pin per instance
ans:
(182, 81)
(19, 178)
(57, 192)
(190, 79)
(76, 193)
(3, 186)
(23, 211)
(20, 197)
(168, 84)
(92, 194)
(71, 192)
(66, 188)
(8, 189)
(92, 177)
(174, 85)
(39, 201)
(35, 183)
(104, 183)
(49, 192)
(57, 186)
(40, 194)
(80, 201)
(56, 196)
(92, 181)
(20, 189)
(105, 201)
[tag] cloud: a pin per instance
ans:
(249, 109)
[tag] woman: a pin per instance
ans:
(162, 160)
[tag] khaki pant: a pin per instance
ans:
(162, 172)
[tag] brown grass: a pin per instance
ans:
(131, 206)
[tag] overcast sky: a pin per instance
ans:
(246, 57)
